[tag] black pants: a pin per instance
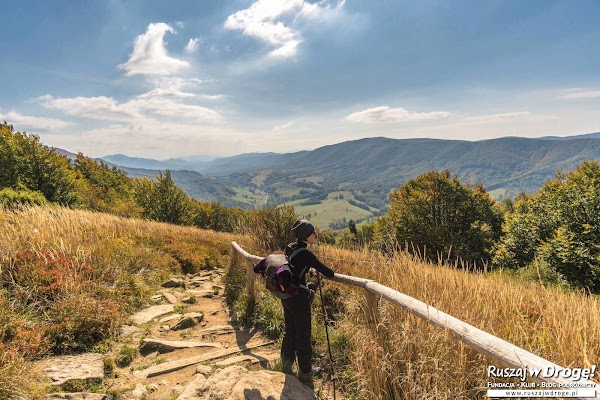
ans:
(296, 341)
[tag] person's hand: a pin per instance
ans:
(312, 272)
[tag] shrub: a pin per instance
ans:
(79, 322)
(11, 197)
(126, 356)
(557, 229)
(271, 226)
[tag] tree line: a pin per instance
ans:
(32, 173)
(552, 235)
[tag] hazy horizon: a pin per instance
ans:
(156, 80)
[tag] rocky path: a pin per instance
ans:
(186, 346)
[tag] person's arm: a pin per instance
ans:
(318, 265)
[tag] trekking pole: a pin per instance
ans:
(326, 332)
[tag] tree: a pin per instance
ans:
(162, 200)
(438, 216)
(104, 188)
(27, 164)
(558, 229)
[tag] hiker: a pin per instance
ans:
(296, 341)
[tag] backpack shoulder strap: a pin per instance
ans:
(294, 254)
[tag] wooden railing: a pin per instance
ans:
(495, 348)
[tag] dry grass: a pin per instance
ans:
(54, 261)
(406, 358)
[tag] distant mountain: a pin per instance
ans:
(358, 175)
(217, 167)
(68, 154)
(195, 185)
(249, 162)
(196, 158)
(585, 136)
(146, 163)
(372, 167)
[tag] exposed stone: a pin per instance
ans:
(156, 297)
(164, 328)
(131, 331)
(173, 283)
(170, 318)
(153, 387)
(77, 396)
(175, 365)
(187, 321)
(237, 383)
(151, 312)
(189, 299)
(170, 297)
(84, 367)
(193, 388)
(264, 358)
(204, 369)
(217, 330)
(178, 344)
(139, 391)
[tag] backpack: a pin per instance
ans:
(280, 275)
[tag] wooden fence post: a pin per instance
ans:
(235, 258)
(372, 310)
(250, 281)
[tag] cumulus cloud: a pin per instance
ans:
(264, 20)
(101, 107)
(579, 93)
(283, 126)
(498, 117)
(145, 107)
(150, 57)
(192, 46)
(385, 114)
(29, 122)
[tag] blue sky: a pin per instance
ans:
(161, 79)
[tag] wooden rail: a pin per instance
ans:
(495, 348)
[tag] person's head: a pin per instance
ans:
(304, 231)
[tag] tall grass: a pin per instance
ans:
(69, 278)
(406, 358)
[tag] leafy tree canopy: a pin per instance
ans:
(437, 216)
(557, 229)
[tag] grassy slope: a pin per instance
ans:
(331, 209)
(394, 360)
(56, 263)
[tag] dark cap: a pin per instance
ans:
(302, 229)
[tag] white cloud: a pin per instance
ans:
(262, 20)
(28, 122)
(192, 46)
(385, 114)
(180, 24)
(102, 107)
(579, 93)
(149, 56)
(283, 126)
(145, 107)
(498, 117)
